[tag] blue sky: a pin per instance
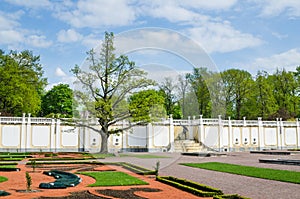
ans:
(159, 35)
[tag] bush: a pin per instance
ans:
(233, 196)
(191, 187)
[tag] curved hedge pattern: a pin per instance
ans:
(63, 180)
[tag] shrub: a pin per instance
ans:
(28, 181)
(191, 187)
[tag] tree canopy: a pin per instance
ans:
(58, 102)
(21, 83)
(106, 85)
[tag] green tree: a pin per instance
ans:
(183, 89)
(21, 83)
(167, 90)
(58, 101)
(147, 106)
(285, 93)
(107, 83)
(197, 80)
(238, 86)
(265, 105)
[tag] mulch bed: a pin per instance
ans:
(17, 181)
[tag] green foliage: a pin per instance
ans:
(229, 196)
(156, 168)
(147, 106)
(3, 179)
(33, 165)
(58, 101)
(113, 178)
(21, 83)
(270, 174)
(197, 80)
(106, 86)
(143, 156)
(28, 181)
(189, 186)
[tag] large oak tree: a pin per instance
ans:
(107, 84)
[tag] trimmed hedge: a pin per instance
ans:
(137, 169)
(233, 196)
(59, 159)
(4, 193)
(189, 186)
(63, 180)
(69, 162)
(9, 169)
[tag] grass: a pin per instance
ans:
(143, 156)
(100, 155)
(270, 174)
(3, 179)
(7, 166)
(113, 178)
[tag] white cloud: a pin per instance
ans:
(288, 60)
(91, 41)
(68, 36)
(94, 13)
(39, 41)
(222, 37)
(10, 37)
(59, 72)
(31, 3)
(276, 7)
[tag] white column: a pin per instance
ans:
(23, 132)
(230, 135)
(200, 130)
(171, 133)
(52, 135)
(28, 133)
(220, 133)
(149, 137)
(58, 135)
(191, 136)
(124, 136)
(297, 134)
(260, 135)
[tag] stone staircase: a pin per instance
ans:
(189, 146)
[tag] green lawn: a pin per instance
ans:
(113, 178)
(3, 179)
(8, 166)
(143, 156)
(270, 174)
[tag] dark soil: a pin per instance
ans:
(76, 195)
(126, 194)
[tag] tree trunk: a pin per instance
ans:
(104, 142)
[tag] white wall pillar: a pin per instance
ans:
(297, 133)
(124, 136)
(230, 134)
(149, 136)
(23, 133)
(191, 137)
(28, 133)
(200, 130)
(52, 135)
(220, 132)
(260, 134)
(171, 133)
(58, 135)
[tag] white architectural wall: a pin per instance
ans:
(44, 134)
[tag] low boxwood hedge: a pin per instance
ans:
(232, 196)
(137, 169)
(63, 180)
(189, 186)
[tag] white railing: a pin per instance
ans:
(11, 120)
(176, 122)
